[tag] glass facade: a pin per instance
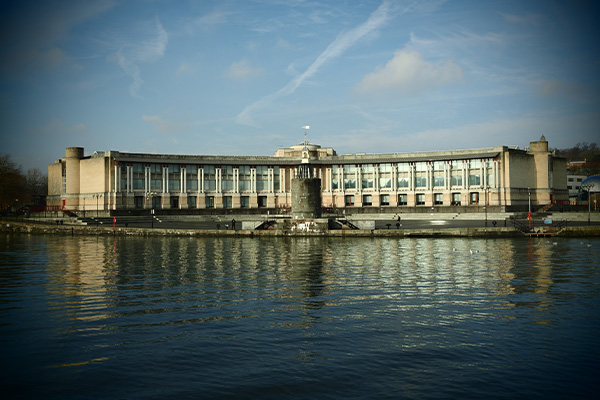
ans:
(406, 183)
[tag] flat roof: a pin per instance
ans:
(323, 160)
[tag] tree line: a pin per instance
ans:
(588, 152)
(18, 188)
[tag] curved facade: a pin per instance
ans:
(496, 176)
(591, 180)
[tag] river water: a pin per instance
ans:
(299, 318)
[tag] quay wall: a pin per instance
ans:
(499, 232)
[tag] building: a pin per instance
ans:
(590, 191)
(506, 177)
(574, 185)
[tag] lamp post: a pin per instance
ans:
(588, 187)
(97, 196)
(486, 189)
(150, 195)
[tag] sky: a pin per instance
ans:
(243, 77)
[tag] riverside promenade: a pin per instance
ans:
(495, 225)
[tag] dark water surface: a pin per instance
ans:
(299, 318)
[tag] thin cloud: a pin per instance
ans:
(130, 56)
(242, 70)
(206, 22)
(184, 68)
(163, 126)
(409, 73)
(336, 48)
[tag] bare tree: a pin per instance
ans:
(37, 182)
(13, 187)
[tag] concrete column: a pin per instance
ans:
(465, 173)
(483, 173)
(146, 179)
(117, 178)
(236, 180)
(219, 179)
(201, 180)
(495, 173)
(183, 180)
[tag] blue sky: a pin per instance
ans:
(242, 77)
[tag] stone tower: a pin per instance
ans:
(306, 189)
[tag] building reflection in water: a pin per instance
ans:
(313, 280)
(76, 273)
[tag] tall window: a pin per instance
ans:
(210, 180)
(210, 202)
(262, 178)
(421, 181)
(244, 202)
(438, 181)
(420, 199)
(349, 169)
(402, 199)
(474, 180)
(385, 168)
(456, 180)
(456, 199)
(174, 177)
(385, 183)
(402, 182)
(367, 200)
(385, 199)
(244, 178)
(350, 183)
(367, 183)
(227, 178)
(474, 163)
(276, 178)
(438, 199)
(155, 177)
(421, 166)
(191, 178)
(138, 176)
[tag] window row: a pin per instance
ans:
(438, 199)
(418, 166)
(403, 182)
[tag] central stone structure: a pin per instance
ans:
(306, 190)
(306, 198)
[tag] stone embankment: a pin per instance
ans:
(498, 232)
